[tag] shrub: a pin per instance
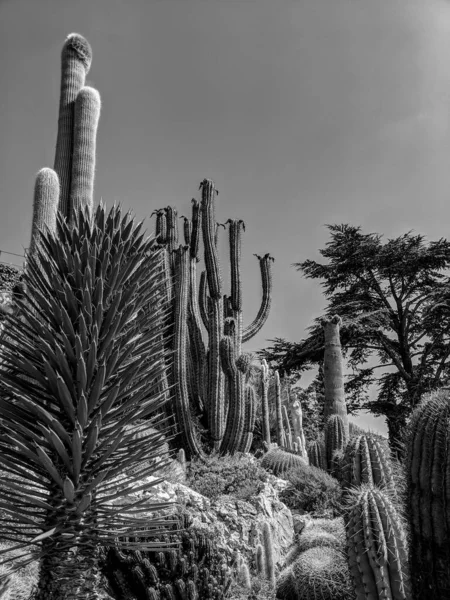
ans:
(238, 475)
(312, 490)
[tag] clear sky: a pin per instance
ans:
(304, 112)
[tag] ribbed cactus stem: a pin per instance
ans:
(215, 388)
(265, 401)
(333, 372)
(365, 461)
(87, 114)
(208, 229)
(295, 410)
(181, 457)
(335, 438)
(287, 424)
(180, 367)
(268, 553)
(244, 577)
(45, 206)
(187, 230)
(316, 455)
(265, 264)
(428, 480)
(377, 548)
(234, 430)
(76, 60)
(203, 300)
(250, 418)
(278, 412)
(196, 227)
(260, 565)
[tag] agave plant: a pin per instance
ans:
(80, 367)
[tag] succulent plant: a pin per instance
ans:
(335, 439)
(279, 461)
(428, 484)
(377, 546)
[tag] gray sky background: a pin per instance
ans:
(304, 112)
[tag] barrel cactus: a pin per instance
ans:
(316, 454)
(280, 461)
(335, 438)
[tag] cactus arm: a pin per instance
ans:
(45, 206)
(234, 430)
(196, 225)
(161, 226)
(265, 264)
(195, 334)
(250, 418)
(265, 401)
(180, 368)
(215, 374)
(203, 300)
(187, 230)
(235, 243)
(87, 114)
(76, 60)
(208, 230)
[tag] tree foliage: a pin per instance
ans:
(393, 298)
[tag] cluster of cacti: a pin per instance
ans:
(288, 438)
(68, 187)
(280, 461)
(377, 547)
(264, 558)
(193, 569)
(212, 394)
(428, 506)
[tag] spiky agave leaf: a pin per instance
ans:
(80, 364)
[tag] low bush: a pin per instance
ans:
(238, 475)
(312, 490)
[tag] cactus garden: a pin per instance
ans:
(146, 453)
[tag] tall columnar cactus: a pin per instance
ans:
(377, 548)
(295, 410)
(366, 461)
(265, 402)
(87, 114)
(335, 438)
(268, 553)
(45, 206)
(278, 412)
(76, 60)
(428, 479)
(333, 366)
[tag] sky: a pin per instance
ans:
(303, 112)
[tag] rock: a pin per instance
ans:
(301, 522)
(233, 524)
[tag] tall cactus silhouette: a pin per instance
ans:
(217, 396)
(74, 165)
(76, 60)
(333, 366)
(428, 480)
(87, 114)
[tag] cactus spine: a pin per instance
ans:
(333, 367)
(428, 479)
(377, 548)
